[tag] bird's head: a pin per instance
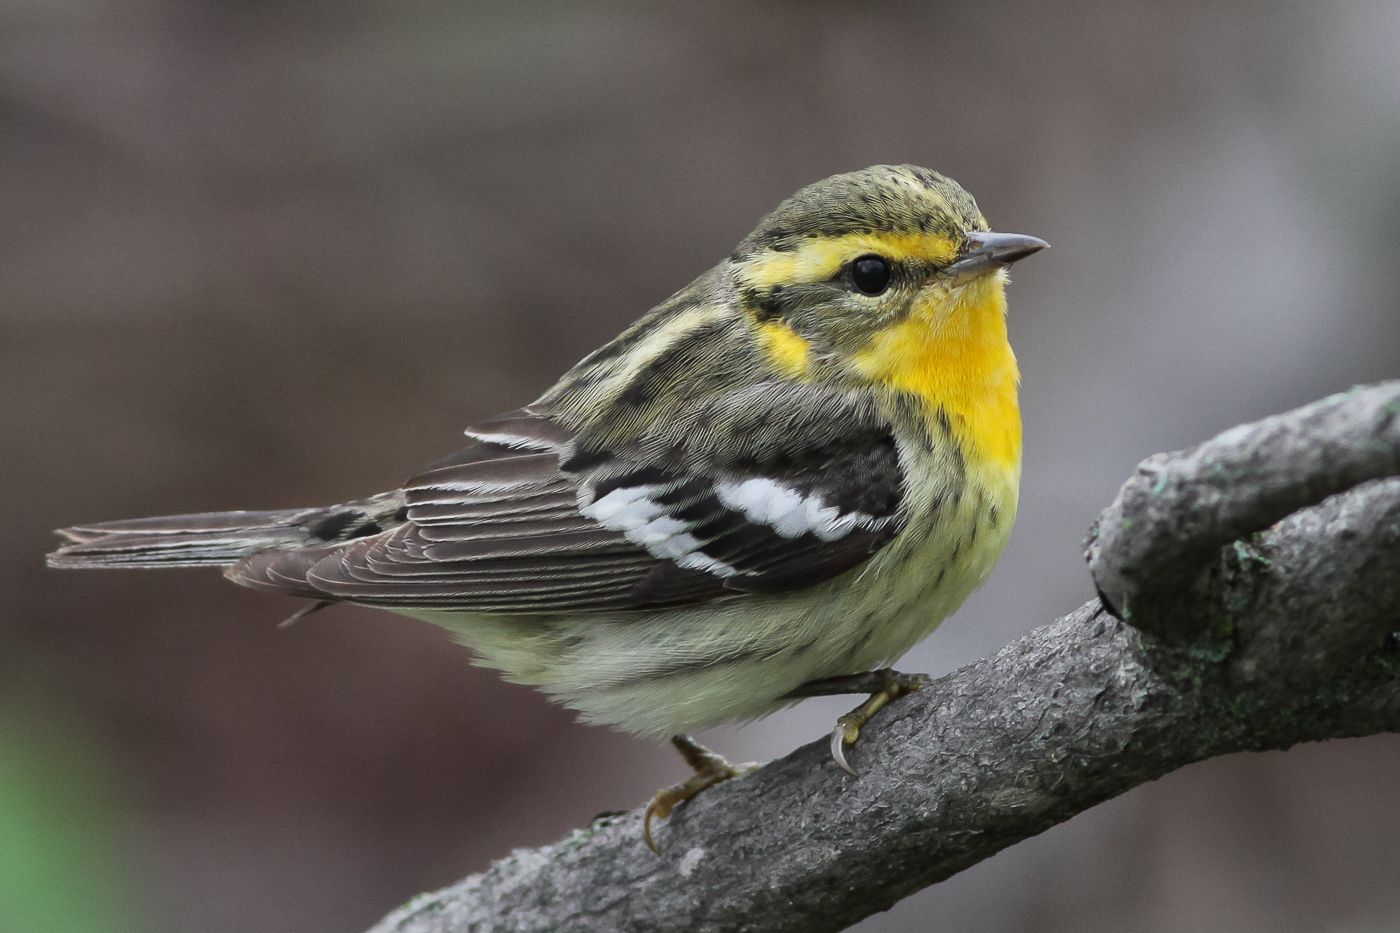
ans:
(840, 266)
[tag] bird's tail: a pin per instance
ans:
(211, 539)
(219, 539)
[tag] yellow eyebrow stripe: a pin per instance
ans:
(820, 258)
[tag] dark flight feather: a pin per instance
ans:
(504, 526)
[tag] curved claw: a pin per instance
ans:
(846, 732)
(710, 769)
(652, 811)
(838, 749)
(888, 685)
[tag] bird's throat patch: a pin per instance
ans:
(952, 354)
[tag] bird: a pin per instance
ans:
(769, 487)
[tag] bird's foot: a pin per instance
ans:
(710, 767)
(883, 686)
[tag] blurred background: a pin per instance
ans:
(275, 254)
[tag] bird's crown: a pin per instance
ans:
(880, 200)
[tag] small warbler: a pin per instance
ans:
(772, 484)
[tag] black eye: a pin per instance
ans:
(871, 274)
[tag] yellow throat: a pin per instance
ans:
(952, 353)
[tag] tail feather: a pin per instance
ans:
(222, 539)
(211, 539)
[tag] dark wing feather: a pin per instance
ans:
(282, 572)
(529, 520)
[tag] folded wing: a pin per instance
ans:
(531, 519)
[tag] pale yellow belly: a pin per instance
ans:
(686, 669)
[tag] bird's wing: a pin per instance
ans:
(739, 495)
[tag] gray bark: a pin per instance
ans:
(1261, 574)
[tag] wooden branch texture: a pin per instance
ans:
(1261, 574)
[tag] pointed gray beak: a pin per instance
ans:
(988, 252)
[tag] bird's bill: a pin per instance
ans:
(991, 251)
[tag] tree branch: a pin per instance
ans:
(1168, 523)
(1244, 637)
